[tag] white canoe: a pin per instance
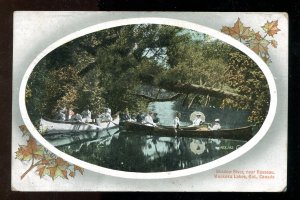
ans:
(51, 126)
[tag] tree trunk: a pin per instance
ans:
(201, 90)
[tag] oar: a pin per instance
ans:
(111, 122)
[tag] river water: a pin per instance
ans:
(144, 153)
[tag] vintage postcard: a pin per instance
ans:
(149, 101)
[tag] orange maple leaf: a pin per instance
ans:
(271, 27)
(78, 169)
(238, 31)
(72, 174)
(42, 170)
(227, 30)
(29, 151)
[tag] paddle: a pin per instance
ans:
(111, 122)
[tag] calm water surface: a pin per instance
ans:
(139, 153)
(143, 153)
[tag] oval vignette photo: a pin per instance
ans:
(147, 98)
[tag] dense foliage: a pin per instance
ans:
(130, 66)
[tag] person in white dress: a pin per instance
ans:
(197, 121)
(148, 121)
(216, 125)
(86, 115)
(176, 123)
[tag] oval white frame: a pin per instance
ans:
(156, 175)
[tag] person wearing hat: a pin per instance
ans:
(216, 125)
(155, 118)
(125, 116)
(197, 121)
(106, 115)
(61, 116)
(76, 117)
(86, 115)
(176, 123)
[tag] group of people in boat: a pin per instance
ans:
(151, 118)
(84, 116)
(196, 122)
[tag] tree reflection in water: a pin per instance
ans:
(142, 153)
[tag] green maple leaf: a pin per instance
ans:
(259, 46)
(59, 169)
(24, 130)
(58, 172)
(266, 59)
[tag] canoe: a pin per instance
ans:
(243, 133)
(52, 126)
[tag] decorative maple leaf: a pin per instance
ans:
(271, 28)
(259, 46)
(43, 170)
(24, 130)
(72, 174)
(76, 168)
(252, 39)
(274, 43)
(257, 36)
(266, 59)
(238, 31)
(45, 162)
(59, 169)
(30, 151)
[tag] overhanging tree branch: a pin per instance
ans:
(151, 99)
(189, 88)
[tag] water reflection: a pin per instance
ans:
(141, 153)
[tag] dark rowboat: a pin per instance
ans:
(243, 133)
